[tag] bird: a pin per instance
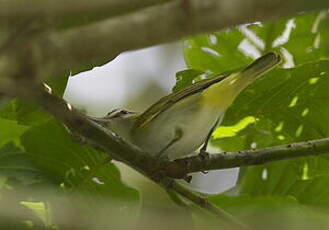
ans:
(182, 122)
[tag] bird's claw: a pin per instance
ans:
(203, 155)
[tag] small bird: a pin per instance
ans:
(179, 123)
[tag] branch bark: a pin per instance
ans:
(79, 124)
(165, 23)
(226, 160)
(67, 11)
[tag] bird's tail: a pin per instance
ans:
(223, 93)
(261, 65)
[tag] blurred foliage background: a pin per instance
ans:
(49, 181)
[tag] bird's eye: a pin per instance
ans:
(124, 112)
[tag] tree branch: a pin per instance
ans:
(79, 124)
(166, 23)
(117, 148)
(181, 167)
(66, 11)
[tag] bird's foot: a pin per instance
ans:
(203, 154)
(187, 178)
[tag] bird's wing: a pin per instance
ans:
(167, 101)
(257, 67)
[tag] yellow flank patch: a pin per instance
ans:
(218, 98)
(221, 94)
(230, 131)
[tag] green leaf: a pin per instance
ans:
(302, 39)
(16, 163)
(23, 113)
(10, 131)
(313, 192)
(185, 78)
(78, 168)
(216, 52)
(287, 105)
(305, 38)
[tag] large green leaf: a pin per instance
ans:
(78, 168)
(285, 106)
(288, 105)
(301, 39)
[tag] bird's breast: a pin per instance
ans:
(190, 116)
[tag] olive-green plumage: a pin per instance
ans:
(178, 124)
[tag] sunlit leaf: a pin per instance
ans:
(288, 105)
(301, 39)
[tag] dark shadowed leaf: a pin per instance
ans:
(14, 162)
(23, 113)
(10, 131)
(78, 168)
